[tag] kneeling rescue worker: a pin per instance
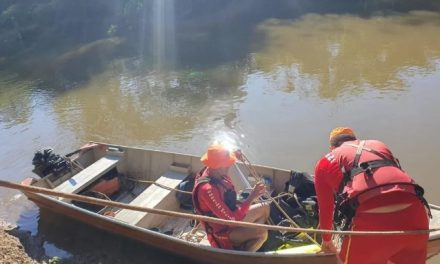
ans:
(214, 195)
(373, 193)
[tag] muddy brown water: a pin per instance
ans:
(300, 78)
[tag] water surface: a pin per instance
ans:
(289, 81)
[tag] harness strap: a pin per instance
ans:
(420, 194)
(376, 153)
(369, 166)
(357, 157)
(347, 175)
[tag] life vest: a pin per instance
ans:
(218, 235)
(369, 169)
(107, 187)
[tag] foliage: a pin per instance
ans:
(53, 260)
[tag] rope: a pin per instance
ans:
(102, 202)
(195, 235)
(257, 176)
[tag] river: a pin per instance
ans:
(276, 85)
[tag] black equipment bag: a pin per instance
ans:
(303, 209)
(185, 199)
(302, 183)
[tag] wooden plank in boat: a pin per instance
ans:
(153, 197)
(83, 178)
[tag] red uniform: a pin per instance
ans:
(209, 199)
(382, 186)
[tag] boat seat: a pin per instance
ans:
(154, 197)
(89, 174)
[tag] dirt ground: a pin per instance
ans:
(11, 249)
(18, 246)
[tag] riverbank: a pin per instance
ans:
(19, 246)
(11, 248)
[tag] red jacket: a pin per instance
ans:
(209, 199)
(328, 177)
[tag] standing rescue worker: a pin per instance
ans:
(214, 195)
(373, 193)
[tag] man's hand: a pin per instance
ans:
(257, 191)
(328, 247)
(239, 155)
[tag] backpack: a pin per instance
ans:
(185, 199)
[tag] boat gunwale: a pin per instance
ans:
(182, 154)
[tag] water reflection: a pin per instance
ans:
(330, 55)
(136, 106)
(15, 101)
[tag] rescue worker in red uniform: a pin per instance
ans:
(372, 194)
(214, 195)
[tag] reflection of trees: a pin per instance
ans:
(150, 107)
(340, 52)
(77, 65)
(208, 33)
(15, 101)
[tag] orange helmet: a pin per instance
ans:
(218, 156)
(339, 132)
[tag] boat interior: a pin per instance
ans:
(147, 178)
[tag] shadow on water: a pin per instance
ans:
(76, 242)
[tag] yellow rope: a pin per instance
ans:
(102, 202)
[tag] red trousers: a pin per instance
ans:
(399, 249)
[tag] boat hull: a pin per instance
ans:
(202, 254)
